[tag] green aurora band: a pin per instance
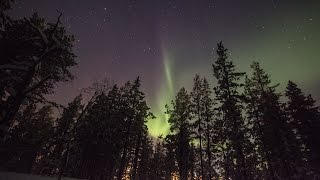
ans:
(287, 48)
(159, 125)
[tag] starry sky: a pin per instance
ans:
(167, 42)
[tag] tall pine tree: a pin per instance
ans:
(197, 109)
(179, 119)
(275, 142)
(305, 119)
(208, 117)
(233, 128)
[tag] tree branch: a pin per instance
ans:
(43, 36)
(37, 85)
(43, 100)
(57, 23)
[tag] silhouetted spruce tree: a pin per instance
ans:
(170, 144)
(30, 133)
(202, 111)
(52, 160)
(305, 119)
(192, 163)
(102, 134)
(208, 117)
(144, 169)
(98, 125)
(123, 115)
(127, 104)
(274, 139)
(255, 88)
(115, 131)
(233, 127)
(179, 119)
(197, 110)
(140, 130)
(157, 162)
(35, 56)
(91, 139)
(72, 156)
(70, 119)
(136, 113)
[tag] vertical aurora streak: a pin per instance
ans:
(160, 125)
(168, 74)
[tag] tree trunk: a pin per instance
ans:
(242, 167)
(269, 163)
(124, 153)
(135, 161)
(200, 139)
(226, 166)
(209, 153)
(182, 157)
(122, 163)
(13, 103)
(64, 163)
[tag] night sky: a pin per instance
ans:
(166, 42)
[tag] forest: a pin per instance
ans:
(242, 129)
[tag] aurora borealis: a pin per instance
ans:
(167, 42)
(160, 125)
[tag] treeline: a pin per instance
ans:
(104, 137)
(240, 129)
